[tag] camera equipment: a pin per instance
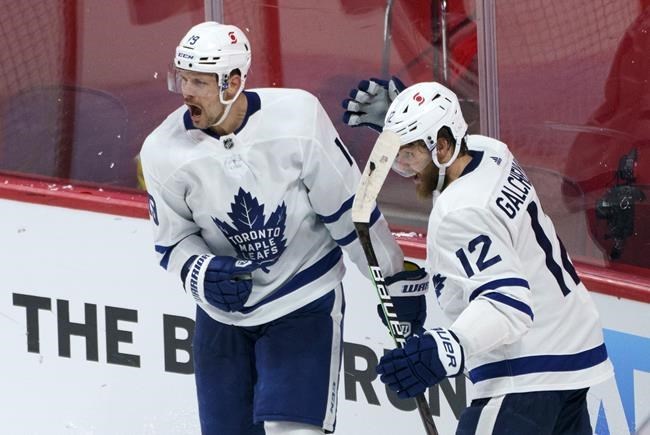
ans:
(617, 204)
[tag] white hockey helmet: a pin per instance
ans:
(418, 113)
(211, 47)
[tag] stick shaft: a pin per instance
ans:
(391, 316)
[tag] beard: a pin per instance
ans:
(427, 181)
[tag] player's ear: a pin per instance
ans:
(442, 146)
(234, 80)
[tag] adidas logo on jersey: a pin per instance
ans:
(497, 160)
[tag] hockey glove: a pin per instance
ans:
(224, 282)
(369, 103)
(407, 291)
(422, 362)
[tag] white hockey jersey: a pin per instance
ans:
(278, 192)
(502, 275)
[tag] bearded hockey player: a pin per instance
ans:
(524, 327)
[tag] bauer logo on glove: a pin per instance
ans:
(449, 348)
(423, 362)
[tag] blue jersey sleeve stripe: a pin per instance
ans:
(374, 217)
(347, 239)
(498, 283)
(166, 251)
(302, 278)
(347, 205)
(540, 364)
(512, 302)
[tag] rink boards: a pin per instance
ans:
(95, 339)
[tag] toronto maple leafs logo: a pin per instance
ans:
(438, 283)
(253, 238)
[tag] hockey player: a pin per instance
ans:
(250, 195)
(523, 325)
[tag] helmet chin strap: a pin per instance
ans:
(442, 167)
(224, 115)
(227, 103)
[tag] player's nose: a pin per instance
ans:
(188, 91)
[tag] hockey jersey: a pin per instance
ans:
(502, 275)
(278, 192)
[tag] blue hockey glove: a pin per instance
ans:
(407, 290)
(369, 103)
(423, 362)
(224, 282)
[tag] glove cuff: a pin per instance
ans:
(196, 276)
(412, 281)
(450, 352)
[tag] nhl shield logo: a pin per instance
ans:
(228, 143)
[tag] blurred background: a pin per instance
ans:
(563, 83)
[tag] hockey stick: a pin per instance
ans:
(379, 163)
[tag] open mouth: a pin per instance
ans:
(195, 111)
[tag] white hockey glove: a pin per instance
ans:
(222, 281)
(407, 290)
(423, 362)
(369, 102)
